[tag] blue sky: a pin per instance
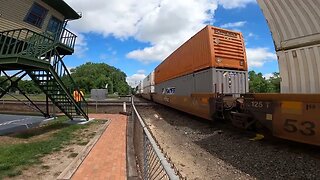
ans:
(135, 36)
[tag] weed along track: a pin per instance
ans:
(45, 151)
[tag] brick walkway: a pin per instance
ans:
(107, 159)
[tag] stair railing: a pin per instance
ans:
(27, 43)
(63, 73)
(23, 42)
(67, 38)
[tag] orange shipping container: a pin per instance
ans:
(210, 47)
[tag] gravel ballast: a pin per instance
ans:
(201, 150)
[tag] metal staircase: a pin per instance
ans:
(40, 56)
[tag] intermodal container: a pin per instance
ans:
(148, 83)
(295, 28)
(212, 80)
(293, 23)
(300, 69)
(140, 88)
(210, 47)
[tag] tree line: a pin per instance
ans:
(96, 75)
(87, 76)
(260, 84)
(27, 86)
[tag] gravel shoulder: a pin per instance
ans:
(201, 150)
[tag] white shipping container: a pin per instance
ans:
(300, 70)
(140, 88)
(149, 80)
(234, 82)
(152, 78)
(295, 28)
(148, 89)
(211, 80)
(148, 83)
(293, 23)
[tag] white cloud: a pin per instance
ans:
(27, 78)
(257, 57)
(234, 24)
(111, 17)
(251, 35)
(135, 79)
(103, 56)
(69, 69)
(109, 53)
(268, 75)
(81, 46)
(170, 25)
(230, 4)
(141, 71)
(10, 73)
(154, 53)
(165, 24)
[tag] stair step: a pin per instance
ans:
(54, 91)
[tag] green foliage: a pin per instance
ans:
(29, 87)
(5, 84)
(259, 84)
(14, 157)
(96, 75)
(87, 76)
(274, 82)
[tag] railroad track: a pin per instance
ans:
(113, 106)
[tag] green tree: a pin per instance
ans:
(3, 84)
(274, 83)
(257, 83)
(29, 87)
(96, 75)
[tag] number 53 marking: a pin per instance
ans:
(306, 128)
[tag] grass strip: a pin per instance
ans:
(13, 158)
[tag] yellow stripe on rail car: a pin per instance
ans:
(291, 107)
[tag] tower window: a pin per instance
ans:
(54, 25)
(36, 15)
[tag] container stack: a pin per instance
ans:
(211, 47)
(295, 30)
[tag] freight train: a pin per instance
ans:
(207, 76)
(212, 62)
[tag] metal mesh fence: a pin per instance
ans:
(151, 162)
